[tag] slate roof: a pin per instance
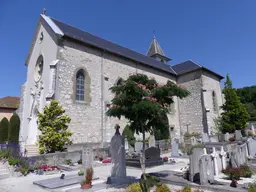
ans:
(10, 102)
(70, 32)
(87, 38)
(189, 66)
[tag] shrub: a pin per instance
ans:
(68, 161)
(135, 187)
(193, 134)
(246, 171)
(13, 161)
(4, 125)
(187, 189)
(162, 188)
(129, 134)
(4, 154)
(252, 187)
(80, 173)
(14, 129)
(53, 125)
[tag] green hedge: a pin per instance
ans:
(14, 129)
(4, 126)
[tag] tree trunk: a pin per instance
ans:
(143, 165)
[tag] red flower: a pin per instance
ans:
(108, 160)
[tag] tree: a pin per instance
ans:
(235, 115)
(129, 134)
(4, 125)
(53, 124)
(14, 129)
(162, 134)
(144, 103)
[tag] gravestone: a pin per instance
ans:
(205, 138)
(175, 148)
(194, 163)
(126, 145)
(87, 157)
(251, 144)
(226, 137)
(238, 135)
(206, 170)
(214, 139)
(138, 146)
(252, 128)
(152, 141)
(152, 158)
(193, 141)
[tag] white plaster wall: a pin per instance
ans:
(48, 49)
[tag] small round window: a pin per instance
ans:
(39, 68)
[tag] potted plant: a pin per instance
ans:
(87, 182)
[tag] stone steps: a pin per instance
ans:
(4, 172)
(32, 150)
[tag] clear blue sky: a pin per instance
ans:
(218, 34)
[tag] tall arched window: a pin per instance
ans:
(214, 102)
(80, 85)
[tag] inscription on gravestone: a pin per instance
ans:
(87, 157)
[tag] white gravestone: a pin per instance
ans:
(87, 157)
(214, 156)
(226, 137)
(223, 157)
(238, 135)
(152, 141)
(252, 128)
(126, 145)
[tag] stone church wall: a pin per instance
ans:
(89, 122)
(191, 108)
(211, 84)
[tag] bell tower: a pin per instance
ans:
(155, 51)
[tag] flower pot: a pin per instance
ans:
(86, 186)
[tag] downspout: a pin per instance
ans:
(178, 102)
(102, 98)
(205, 124)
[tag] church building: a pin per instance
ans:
(77, 69)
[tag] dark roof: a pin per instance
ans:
(10, 102)
(189, 66)
(87, 38)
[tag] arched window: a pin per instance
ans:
(214, 102)
(80, 85)
(119, 81)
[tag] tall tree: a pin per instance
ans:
(129, 134)
(4, 125)
(235, 115)
(144, 103)
(14, 129)
(53, 124)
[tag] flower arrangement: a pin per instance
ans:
(232, 139)
(87, 182)
(249, 158)
(236, 173)
(165, 159)
(107, 160)
(48, 168)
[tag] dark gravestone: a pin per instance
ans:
(152, 158)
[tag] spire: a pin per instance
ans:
(156, 51)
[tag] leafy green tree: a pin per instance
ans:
(162, 134)
(235, 115)
(53, 124)
(14, 129)
(144, 103)
(129, 134)
(4, 125)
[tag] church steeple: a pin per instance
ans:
(156, 51)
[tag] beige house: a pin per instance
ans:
(8, 105)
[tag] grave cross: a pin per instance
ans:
(223, 156)
(214, 156)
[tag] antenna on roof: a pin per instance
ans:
(44, 11)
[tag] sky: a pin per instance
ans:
(218, 34)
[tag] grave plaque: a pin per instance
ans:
(238, 135)
(87, 157)
(138, 146)
(175, 148)
(205, 138)
(152, 141)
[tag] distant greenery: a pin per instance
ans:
(234, 116)
(4, 129)
(248, 97)
(129, 134)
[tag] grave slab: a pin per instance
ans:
(54, 183)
